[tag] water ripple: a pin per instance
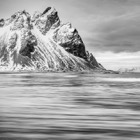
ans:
(42, 106)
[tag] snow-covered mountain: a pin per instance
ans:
(42, 42)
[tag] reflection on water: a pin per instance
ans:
(35, 106)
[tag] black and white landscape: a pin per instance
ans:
(69, 81)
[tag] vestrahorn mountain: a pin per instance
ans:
(42, 43)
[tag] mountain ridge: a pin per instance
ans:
(42, 42)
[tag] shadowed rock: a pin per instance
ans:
(47, 9)
(1, 22)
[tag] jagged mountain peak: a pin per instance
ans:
(42, 42)
(19, 17)
(47, 20)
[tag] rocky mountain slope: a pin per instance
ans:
(41, 42)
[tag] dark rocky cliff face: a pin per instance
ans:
(42, 42)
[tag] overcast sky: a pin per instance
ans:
(110, 29)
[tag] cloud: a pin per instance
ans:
(116, 61)
(117, 33)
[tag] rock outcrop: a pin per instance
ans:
(42, 42)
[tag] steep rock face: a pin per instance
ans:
(70, 40)
(41, 42)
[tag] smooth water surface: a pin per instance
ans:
(74, 106)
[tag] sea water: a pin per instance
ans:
(69, 106)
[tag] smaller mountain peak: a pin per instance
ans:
(20, 19)
(47, 20)
(20, 13)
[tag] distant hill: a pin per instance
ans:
(135, 70)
